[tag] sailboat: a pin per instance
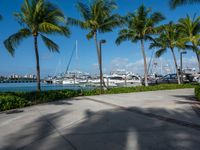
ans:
(74, 77)
(70, 77)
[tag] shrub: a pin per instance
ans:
(11, 102)
(197, 92)
(91, 92)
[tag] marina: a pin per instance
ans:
(76, 80)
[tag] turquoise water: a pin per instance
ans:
(26, 87)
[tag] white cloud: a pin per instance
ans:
(126, 64)
(119, 63)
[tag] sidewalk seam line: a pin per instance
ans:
(151, 115)
(68, 141)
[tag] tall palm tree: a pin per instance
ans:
(190, 32)
(97, 17)
(38, 18)
(140, 27)
(175, 3)
(168, 39)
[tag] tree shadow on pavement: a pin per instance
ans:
(111, 129)
(125, 130)
(32, 131)
(186, 99)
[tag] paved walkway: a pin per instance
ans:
(161, 120)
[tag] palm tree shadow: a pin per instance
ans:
(33, 131)
(187, 99)
(110, 129)
(125, 130)
(14, 111)
(63, 102)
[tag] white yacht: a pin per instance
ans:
(122, 80)
(116, 80)
(130, 81)
(57, 81)
(69, 81)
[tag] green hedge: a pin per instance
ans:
(12, 100)
(197, 92)
(119, 90)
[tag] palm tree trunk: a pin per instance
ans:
(197, 54)
(176, 66)
(198, 59)
(37, 63)
(99, 61)
(145, 63)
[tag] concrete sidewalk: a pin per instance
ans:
(106, 122)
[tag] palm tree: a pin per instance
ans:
(175, 3)
(168, 39)
(190, 32)
(141, 25)
(38, 18)
(97, 18)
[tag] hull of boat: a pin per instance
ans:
(129, 84)
(69, 82)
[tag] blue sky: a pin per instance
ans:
(127, 55)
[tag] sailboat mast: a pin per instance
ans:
(161, 67)
(76, 50)
(77, 59)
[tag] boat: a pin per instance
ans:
(122, 80)
(130, 81)
(118, 79)
(57, 81)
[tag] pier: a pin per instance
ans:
(18, 81)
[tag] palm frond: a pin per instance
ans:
(26, 5)
(65, 31)
(125, 35)
(49, 28)
(101, 8)
(110, 5)
(155, 44)
(84, 10)
(53, 47)
(90, 35)
(149, 38)
(19, 17)
(56, 16)
(160, 52)
(110, 23)
(158, 30)
(14, 40)
(157, 17)
(75, 22)
(174, 3)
